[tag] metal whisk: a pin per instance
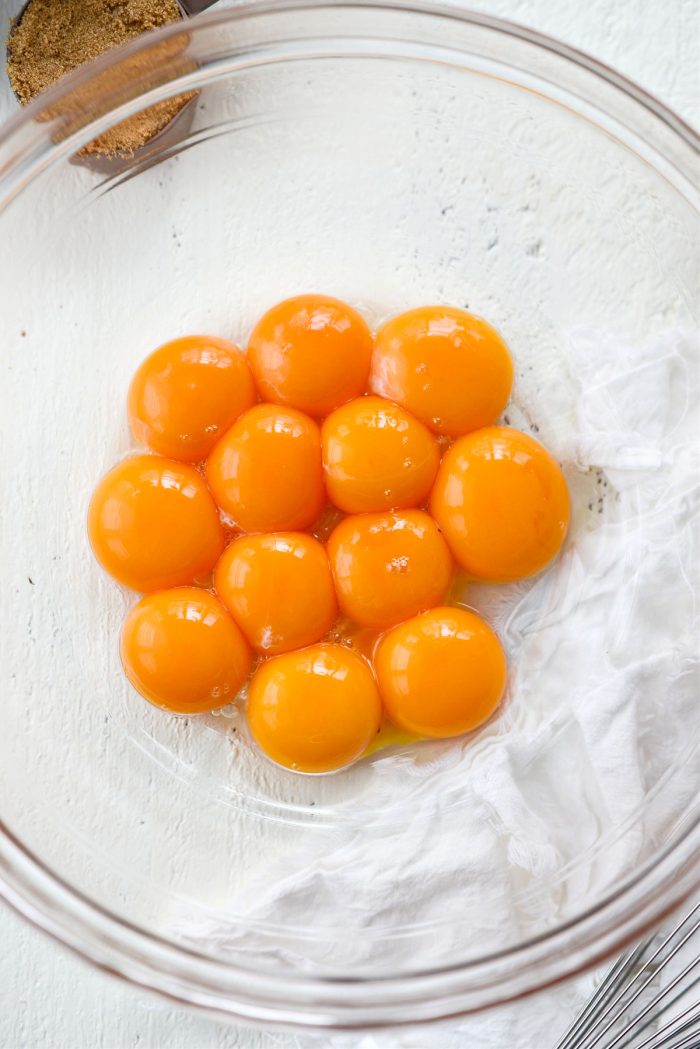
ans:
(634, 996)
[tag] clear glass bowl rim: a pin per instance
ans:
(260, 995)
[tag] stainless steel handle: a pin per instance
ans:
(195, 7)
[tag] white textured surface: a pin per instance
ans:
(47, 998)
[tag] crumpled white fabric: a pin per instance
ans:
(530, 819)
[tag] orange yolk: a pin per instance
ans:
(376, 456)
(266, 470)
(315, 710)
(181, 650)
(442, 673)
(448, 367)
(279, 590)
(502, 503)
(311, 352)
(153, 524)
(387, 567)
(187, 393)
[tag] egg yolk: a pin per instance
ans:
(311, 352)
(442, 673)
(187, 393)
(449, 368)
(314, 710)
(266, 470)
(279, 590)
(387, 567)
(152, 524)
(182, 650)
(502, 503)
(376, 456)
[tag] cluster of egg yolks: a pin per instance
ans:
(387, 567)
(265, 472)
(502, 503)
(311, 352)
(152, 524)
(279, 590)
(376, 456)
(498, 501)
(182, 650)
(452, 370)
(186, 394)
(441, 673)
(316, 709)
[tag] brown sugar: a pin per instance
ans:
(53, 37)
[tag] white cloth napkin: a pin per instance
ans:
(524, 823)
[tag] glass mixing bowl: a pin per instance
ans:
(392, 155)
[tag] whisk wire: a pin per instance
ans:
(587, 1018)
(623, 986)
(634, 1025)
(691, 1042)
(674, 1027)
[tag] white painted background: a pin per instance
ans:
(51, 1000)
